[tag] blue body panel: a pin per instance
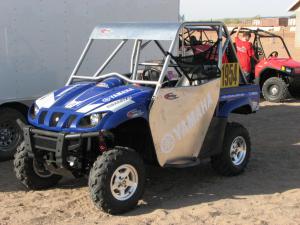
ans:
(234, 98)
(117, 103)
(83, 99)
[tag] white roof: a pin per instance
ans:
(294, 6)
(143, 31)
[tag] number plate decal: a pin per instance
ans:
(230, 76)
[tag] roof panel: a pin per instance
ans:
(144, 31)
(294, 6)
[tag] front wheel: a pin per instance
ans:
(236, 151)
(11, 135)
(31, 173)
(116, 180)
(275, 89)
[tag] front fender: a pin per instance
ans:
(113, 120)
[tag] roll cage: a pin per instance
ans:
(145, 33)
(257, 44)
(189, 39)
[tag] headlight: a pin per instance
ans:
(95, 119)
(91, 120)
(36, 110)
(286, 69)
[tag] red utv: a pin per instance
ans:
(277, 73)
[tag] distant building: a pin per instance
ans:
(292, 21)
(271, 22)
(246, 22)
(256, 22)
(296, 8)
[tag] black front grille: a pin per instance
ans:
(55, 118)
(85, 122)
(70, 121)
(42, 117)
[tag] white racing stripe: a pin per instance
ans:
(46, 101)
(115, 105)
(49, 99)
(88, 108)
(66, 90)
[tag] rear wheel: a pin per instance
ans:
(11, 135)
(31, 173)
(116, 181)
(275, 89)
(236, 151)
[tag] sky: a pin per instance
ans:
(218, 9)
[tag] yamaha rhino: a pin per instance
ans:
(169, 108)
(277, 73)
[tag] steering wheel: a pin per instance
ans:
(151, 74)
(259, 51)
(184, 39)
(207, 42)
(273, 54)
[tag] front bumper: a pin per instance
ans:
(294, 80)
(55, 150)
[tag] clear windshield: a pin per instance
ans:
(272, 45)
(131, 58)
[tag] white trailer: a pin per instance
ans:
(40, 42)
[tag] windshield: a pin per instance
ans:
(128, 58)
(274, 44)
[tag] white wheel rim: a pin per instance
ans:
(274, 90)
(238, 150)
(124, 182)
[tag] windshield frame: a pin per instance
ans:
(260, 33)
(259, 37)
(133, 67)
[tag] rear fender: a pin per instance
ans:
(228, 107)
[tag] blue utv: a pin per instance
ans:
(166, 103)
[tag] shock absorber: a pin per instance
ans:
(106, 140)
(102, 143)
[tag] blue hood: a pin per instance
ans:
(64, 109)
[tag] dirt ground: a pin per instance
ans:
(267, 193)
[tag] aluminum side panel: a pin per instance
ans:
(179, 120)
(40, 41)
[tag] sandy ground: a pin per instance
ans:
(267, 193)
